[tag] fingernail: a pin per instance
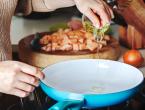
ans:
(42, 75)
(38, 84)
(115, 7)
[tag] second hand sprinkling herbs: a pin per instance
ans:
(98, 33)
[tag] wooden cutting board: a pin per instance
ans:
(41, 59)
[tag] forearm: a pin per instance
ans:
(7, 8)
(50, 5)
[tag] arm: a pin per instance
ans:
(50, 5)
(16, 78)
(27, 6)
(7, 8)
(90, 8)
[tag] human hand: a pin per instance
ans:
(18, 78)
(96, 10)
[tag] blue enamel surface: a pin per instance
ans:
(90, 100)
(100, 83)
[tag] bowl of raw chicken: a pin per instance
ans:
(67, 42)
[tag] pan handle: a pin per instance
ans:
(68, 105)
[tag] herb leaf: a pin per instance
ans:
(98, 33)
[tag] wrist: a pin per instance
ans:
(76, 1)
(49, 5)
(40, 6)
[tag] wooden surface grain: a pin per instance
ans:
(39, 59)
(134, 13)
(131, 38)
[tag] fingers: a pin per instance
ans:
(24, 86)
(19, 93)
(109, 10)
(31, 70)
(101, 11)
(112, 14)
(104, 21)
(103, 14)
(28, 79)
(95, 20)
(19, 79)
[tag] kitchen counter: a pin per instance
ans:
(21, 28)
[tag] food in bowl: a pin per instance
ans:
(69, 43)
(72, 40)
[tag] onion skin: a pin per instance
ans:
(133, 57)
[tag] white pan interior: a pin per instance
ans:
(90, 76)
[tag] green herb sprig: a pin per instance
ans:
(98, 33)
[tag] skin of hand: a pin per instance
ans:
(18, 78)
(97, 11)
(50, 5)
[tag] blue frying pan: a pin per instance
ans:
(90, 83)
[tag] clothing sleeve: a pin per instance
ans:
(7, 8)
(28, 6)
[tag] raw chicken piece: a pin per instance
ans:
(82, 46)
(68, 40)
(75, 47)
(91, 45)
(66, 47)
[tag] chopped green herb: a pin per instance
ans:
(98, 33)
